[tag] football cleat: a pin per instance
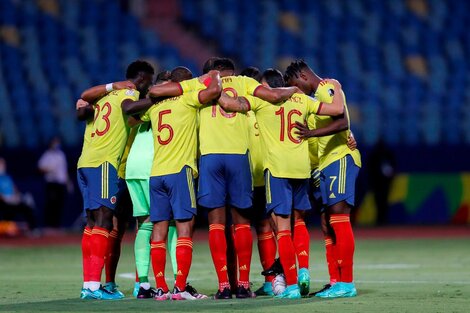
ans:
(135, 291)
(161, 295)
(243, 293)
(291, 292)
(265, 290)
(304, 281)
(111, 287)
(194, 292)
(224, 294)
(100, 294)
(88, 294)
(181, 295)
(146, 293)
(274, 269)
(325, 288)
(339, 290)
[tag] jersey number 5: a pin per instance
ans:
(105, 117)
(290, 124)
(162, 126)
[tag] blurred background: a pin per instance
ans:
(404, 65)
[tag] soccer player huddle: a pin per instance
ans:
(255, 149)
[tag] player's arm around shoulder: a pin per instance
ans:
(131, 106)
(234, 104)
(275, 95)
(94, 93)
(213, 90)
(171, 89)
(85, 110)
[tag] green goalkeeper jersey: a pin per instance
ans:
(140, 159)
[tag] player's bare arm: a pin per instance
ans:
(338, 124)
(96, 92)
(213, 90)
(85, 110)
(275, 95)
(170, 89)
(130, 107)
(234, 104)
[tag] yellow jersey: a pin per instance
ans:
(255, 146)
(174, 122)
(192, 84)
(334, 147)
(285, 156)
(312, 144)
(106, 138)
(222, 132)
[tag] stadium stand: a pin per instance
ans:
(403, 64)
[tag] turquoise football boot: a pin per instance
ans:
(113, 289)
(135, 292)
(99, 294)
(339, 290)
(265, 290)
(291, 292)
(304, 281)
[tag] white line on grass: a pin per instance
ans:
(261, 279)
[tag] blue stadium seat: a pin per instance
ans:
(358, 42)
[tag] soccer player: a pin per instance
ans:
(287, 166)
(339, 167)
(262, 221)
(104, 142)
(139, 164)
(172, 192)
(225, 178)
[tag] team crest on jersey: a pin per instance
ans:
(113, 199)
(130, 92)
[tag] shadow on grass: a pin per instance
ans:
(261, 304)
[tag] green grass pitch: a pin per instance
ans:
(415, 275)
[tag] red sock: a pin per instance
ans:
(301, 242)
(86, 253)
(287, 256)
(218, 247)
(98, 250)
(244, 247)
(112, 258)
(344, 245)
(158, 254)
(184, 256)
(267, 251)
(331, 260)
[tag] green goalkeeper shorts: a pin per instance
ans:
(139, 191)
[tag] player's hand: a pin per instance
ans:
(213, 73)
(297, 90)
(81, 104)
(334, 82)
(123, 85)
(302, 130)
(352, 143)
